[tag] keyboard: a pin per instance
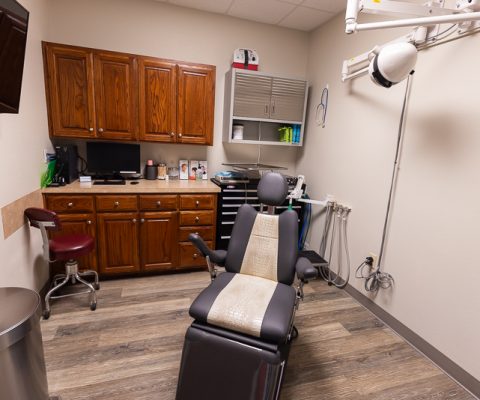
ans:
(109, 182)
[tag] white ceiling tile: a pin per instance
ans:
(334, 6)
(215, 6)
(266, 11)
(305, 19)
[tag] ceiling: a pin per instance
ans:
(304, 15)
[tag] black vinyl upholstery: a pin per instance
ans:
(272, 189)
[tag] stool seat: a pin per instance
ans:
(68, 247)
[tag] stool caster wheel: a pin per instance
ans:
(96, 286)
(93, 306)
(46, 314)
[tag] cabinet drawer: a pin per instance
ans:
(70, 203)
(116, 203)
(197, 202)
(196, 218)
(156, 202)
(206, 232)
(190, 256)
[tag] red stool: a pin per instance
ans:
(63, 248)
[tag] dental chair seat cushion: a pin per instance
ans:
(247, 304)
(70, 247)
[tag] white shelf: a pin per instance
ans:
(275, 121)
(265, 142)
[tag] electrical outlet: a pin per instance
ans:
(375, 260)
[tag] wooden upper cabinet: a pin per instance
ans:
(158, 99)
(115, 96)
(69, 84)
(108, 95)
(196, 102)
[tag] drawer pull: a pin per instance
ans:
(142, 220)
(196, 233)
(134, 220)
(179, 135)
(197, 219)
(159, 203)
(100, 130)
(195, 256)
(70, 205)
(197, 203)
(91, 130)
(89, 222)
(116, 204)
(172, 134)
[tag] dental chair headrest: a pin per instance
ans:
(272, 189)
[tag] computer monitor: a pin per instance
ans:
(107, 158)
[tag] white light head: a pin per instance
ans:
(393, 64)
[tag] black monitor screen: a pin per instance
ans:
(13, 39)
(109, 158)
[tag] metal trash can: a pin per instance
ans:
(23, 375)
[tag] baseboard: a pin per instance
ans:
(469, 382)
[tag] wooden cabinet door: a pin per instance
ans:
(118, 242)
(115, 96)
(74, 224)
(158, 100)
(69, 83)
(196, 102)
(288, 99)
(158, 240)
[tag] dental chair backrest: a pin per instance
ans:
(265, 245)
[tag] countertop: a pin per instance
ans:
(143, 186)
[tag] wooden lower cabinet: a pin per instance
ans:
(137, 233)
(118, 242)
(158, 240)
(77, 224)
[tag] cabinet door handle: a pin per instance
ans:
(273, 107)
(116, 204)
(89, 222)
(134, 220)
(266, 109)
(196, 233)
(197, 203)
(195, 256)
(197, 219)
(90, 129)
(70, 205)
(100, 130)
(179, 135)
(172, 134)
(159, 203)
(142, 220)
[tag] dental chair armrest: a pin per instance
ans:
(305, 270)
(216, 256)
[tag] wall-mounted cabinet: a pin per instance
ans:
(97, 94)
(263, 104)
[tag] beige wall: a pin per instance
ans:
(161, 30)
(432, 246)
(23, 137)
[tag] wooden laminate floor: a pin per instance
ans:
(130, 347)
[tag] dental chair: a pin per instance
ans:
(238, 345)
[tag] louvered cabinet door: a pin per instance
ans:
(252, 96)
(288, 99)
